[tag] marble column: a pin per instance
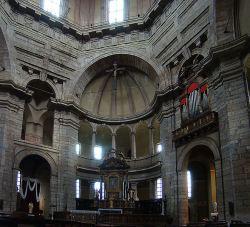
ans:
(133, 141)
(151, 140)
(93, 142)
(113, 141)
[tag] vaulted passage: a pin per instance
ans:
(201, 184)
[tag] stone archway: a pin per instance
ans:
(33, 185)
(201, 158)
(21, 154)
(93, 68)
(53, 181)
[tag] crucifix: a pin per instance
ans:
(115, 70)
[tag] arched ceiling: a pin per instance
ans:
(121, 86)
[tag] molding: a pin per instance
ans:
(40, 147)
(238, 47)
(154, 167)
(98, 32)
(14, 89)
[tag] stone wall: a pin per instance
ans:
(38, 50)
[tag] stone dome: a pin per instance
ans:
(119, 91)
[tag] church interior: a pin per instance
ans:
(128, 113)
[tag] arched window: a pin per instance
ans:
(52, 6)
(116, 11)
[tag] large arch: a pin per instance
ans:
(185, 151)
(86, 73)
(208, 149)
(21, 154)
(34, 77)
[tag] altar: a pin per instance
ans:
(114, 175)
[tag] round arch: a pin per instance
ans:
(81, 81)
(49, 82)
(208, 142)
(20, 155)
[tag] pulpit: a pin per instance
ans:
(114, 174)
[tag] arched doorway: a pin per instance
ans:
(33, 185)
(201, 183)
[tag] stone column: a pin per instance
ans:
(168, 123)
(93, 142)
(133, 145)
(151, 141)
(152, 189)
(11, 118)
(101, 180)
(229, 99)
(182, 197)
(113, 141)
(53, 193)
(68, 125)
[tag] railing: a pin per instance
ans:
(87, 164)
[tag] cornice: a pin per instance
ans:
(70, 106)
(12, 88)
(238, 47)
(87, 33)
(146, 169)
(160, 96)
(32, 146)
